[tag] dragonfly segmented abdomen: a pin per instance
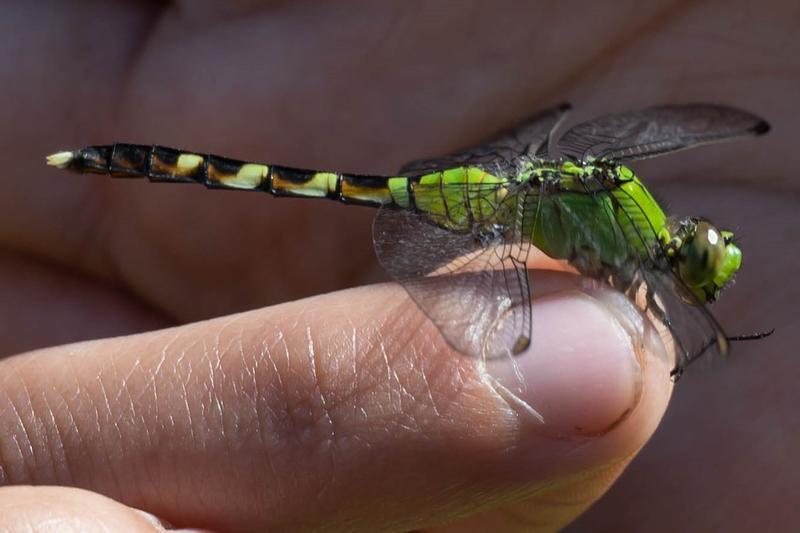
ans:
(162, 164)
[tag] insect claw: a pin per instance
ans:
(675, 374)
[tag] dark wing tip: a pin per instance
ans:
(761, 128)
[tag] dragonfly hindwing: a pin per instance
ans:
(500, 154)
(473, 283)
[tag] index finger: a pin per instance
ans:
(346, 410)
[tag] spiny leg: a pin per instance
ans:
(659, 313)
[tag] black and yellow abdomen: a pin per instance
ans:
(161, 164)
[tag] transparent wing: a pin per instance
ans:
(658, 130)
(694, 329)
(470, 281)
(498, 155)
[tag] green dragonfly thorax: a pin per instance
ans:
(703, 257)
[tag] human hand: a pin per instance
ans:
(191, 423)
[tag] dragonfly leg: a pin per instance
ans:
(659, 313)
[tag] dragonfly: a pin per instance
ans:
(457, 232)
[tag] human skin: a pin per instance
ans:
(345, 411)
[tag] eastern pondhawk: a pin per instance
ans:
(457, 231)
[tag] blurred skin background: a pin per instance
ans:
(365, 87)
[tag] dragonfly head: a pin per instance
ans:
(707, 258)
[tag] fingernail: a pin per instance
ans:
(580, 375)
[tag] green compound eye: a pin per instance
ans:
(701, 255)
(708, 260)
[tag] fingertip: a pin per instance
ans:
(581, 372)
(593, 358)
